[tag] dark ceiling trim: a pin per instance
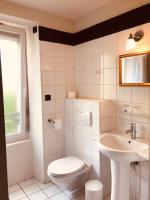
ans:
(122, 22)
(51, 35)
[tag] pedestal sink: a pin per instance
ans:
(121, 151)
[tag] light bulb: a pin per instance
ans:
(130, 43)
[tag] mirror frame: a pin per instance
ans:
(120, 69)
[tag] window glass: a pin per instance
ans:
(10, 48)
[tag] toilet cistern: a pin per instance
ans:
(132, 130)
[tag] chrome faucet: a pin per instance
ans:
(132, 130)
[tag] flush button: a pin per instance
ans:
(47, 97)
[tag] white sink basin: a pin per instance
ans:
(119, 148)
(121, 151)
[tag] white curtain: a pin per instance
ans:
(135, 69)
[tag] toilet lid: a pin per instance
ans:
(65, 166)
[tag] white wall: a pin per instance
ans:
(43, 18)
(19, 161)
(57, 68)
(96, 76)
(110, 10)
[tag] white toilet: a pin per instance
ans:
(69, 173)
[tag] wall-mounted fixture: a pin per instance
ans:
(133, 38)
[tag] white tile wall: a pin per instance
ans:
(81, 140)
(92, 69)
(103, 68)
(57, 69)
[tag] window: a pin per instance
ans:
(13, 61)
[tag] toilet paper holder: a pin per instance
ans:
(51, 121)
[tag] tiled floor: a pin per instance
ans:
(34, 190)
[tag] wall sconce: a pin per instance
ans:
(132, 39)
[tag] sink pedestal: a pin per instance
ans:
(120, 186)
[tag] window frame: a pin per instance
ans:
(23, 134)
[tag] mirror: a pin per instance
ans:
(134, 69)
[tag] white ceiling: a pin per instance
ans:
(71, 9)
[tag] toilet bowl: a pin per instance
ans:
(69, 173)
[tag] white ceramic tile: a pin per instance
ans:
(60, 92)
(97, 46)
(110, 42)
(110, 92)
(17, 195)
(77, 134)
(38, 196)
(49, 135)
(47, 63)
(97, 62)
(59, 50)
(142, 130)
(26, 183)
(96, 160)
(87, 138)
(48, 160)
(140, 112)
(50, 147)
(85, 105)
(61, 147)
(78, 78)
(60, 78)
(30, 189)
(110, 59)
(60, 196)
(60, 64)
(14, 188)
(110, 76)
(87, 91)
(77, 150)
(96, 125)
(47, 48)
(124, 94)
(70, 65)
(70, 51)
(87, 49)
(48, 107)
(87, 63)
(51, 191)
(70, 79)
(60, 106)
(68, 131)
(144, 92)
(96, 77)
(68, 105)
(87, 154)
(87, 77)
(79, 65)
(47, 78)
(96, 91)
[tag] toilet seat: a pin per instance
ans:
(65, 166)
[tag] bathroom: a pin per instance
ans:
(62, 54)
